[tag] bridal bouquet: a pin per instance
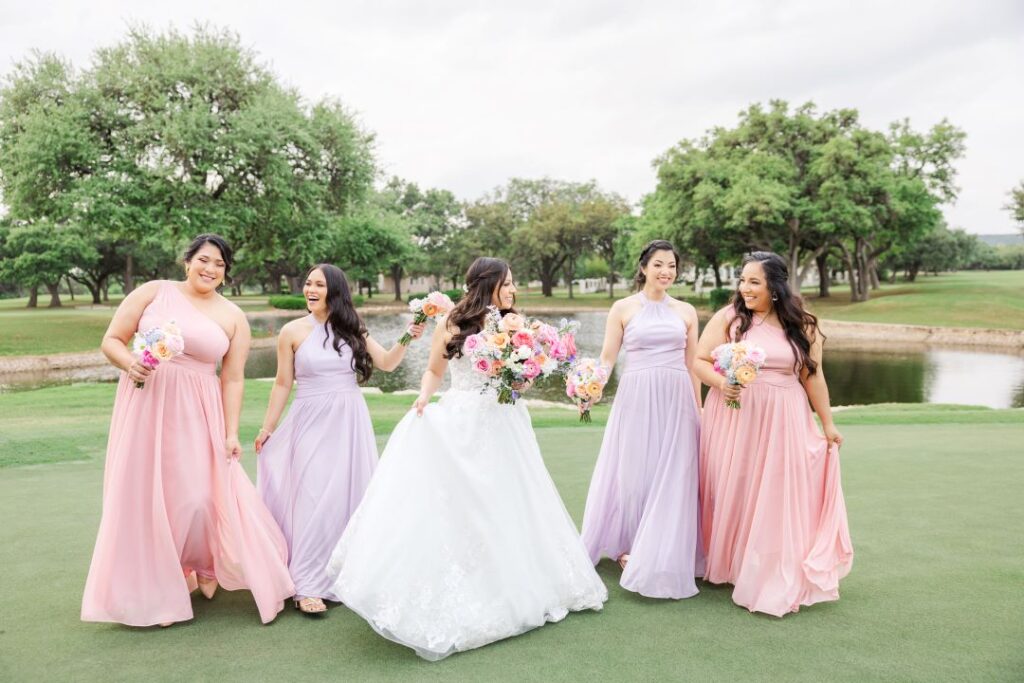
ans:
(512, 352)
(435, 304)
(156, 345)
(584, 384)
(738, 362)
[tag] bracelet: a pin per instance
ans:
(269, 432)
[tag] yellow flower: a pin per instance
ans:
(161, 351)
(500, 340)
(594, 390)
(745, 374)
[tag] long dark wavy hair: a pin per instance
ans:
(484, 276)
(796, 321)
(639, 280)
(343, 320)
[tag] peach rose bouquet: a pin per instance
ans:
(584, 384)
(433, 306)
(739, 362)
(512, 352)
(157, 345)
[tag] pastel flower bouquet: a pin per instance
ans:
(432, 306)
(156, 345)
(584, 384)
(513, 352)
(739, 362)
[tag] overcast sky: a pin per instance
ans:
(464, 95)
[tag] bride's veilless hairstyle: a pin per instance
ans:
(789, 307)
(639, 280)
(343, 320)
(484, 276)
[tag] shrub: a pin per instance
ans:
(719, 297)
(288, 302)
(296, 302)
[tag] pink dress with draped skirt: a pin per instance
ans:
(772, 507)
(174, 507)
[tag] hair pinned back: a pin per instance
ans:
(639, 280)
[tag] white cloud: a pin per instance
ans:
(464, 95)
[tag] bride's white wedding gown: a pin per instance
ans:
(461, 538)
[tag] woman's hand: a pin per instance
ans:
(416, 330)
(729, 390)
(137, 372)
(233, 448)
(261, 439)
(420, 404)
(833, 436)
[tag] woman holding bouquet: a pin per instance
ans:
(773, 514)
(461, 538)
(313, 470)
(642, 506)
(178, 509)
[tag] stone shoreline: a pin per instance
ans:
(842, 334)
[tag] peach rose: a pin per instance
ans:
(161, 350)
(745, 374)
(513, 322)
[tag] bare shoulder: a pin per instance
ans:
(684, 308)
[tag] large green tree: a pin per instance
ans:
(1016, 205)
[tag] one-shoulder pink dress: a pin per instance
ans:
(174, 507)
(772, 509)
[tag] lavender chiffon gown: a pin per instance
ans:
(316, 466)
(643, 498)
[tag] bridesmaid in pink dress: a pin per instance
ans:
(178, 509)
(772, 508)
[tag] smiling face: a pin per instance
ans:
(754, 288)
(504, 295)
(206, 269)
(660, 270)
(315, 291)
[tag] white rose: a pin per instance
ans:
(416, 305)
(524, 352)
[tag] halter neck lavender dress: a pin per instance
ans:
(316, 466)
(643, 496)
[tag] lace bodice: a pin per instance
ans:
(464, 377)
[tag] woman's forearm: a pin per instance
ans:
(429, 384)
(278, 398)
(232, 390)
(706, 373)
(392, 358)
(117, 353)
(817, 393)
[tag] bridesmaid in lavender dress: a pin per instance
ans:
(312, 471)
(642, 506)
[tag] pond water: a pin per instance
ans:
(926, 375)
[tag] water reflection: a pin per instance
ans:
(854, 376)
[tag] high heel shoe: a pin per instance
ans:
(207, 587)
(310, 605)
(623, 559)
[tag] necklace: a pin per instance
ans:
(763, 318)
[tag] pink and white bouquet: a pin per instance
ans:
(432, 306)
(739, 362)
(156, 345)
(584, 384)
(513, 352)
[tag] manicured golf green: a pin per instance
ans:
(935, 593)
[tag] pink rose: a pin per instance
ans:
(482, 365)
(570, 389)
(530, 369)
(149, 360)
(522, 338)
(756, 356)
(513, 322)
(472, 342)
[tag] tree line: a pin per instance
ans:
(108, 170)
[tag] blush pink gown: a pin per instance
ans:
(173, 506)
(772, 507)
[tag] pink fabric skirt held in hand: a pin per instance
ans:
(173, 506)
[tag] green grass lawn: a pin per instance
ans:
(935, 511)
(965, 299)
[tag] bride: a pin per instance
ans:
(461, 538)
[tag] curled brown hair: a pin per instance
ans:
(484, 276)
